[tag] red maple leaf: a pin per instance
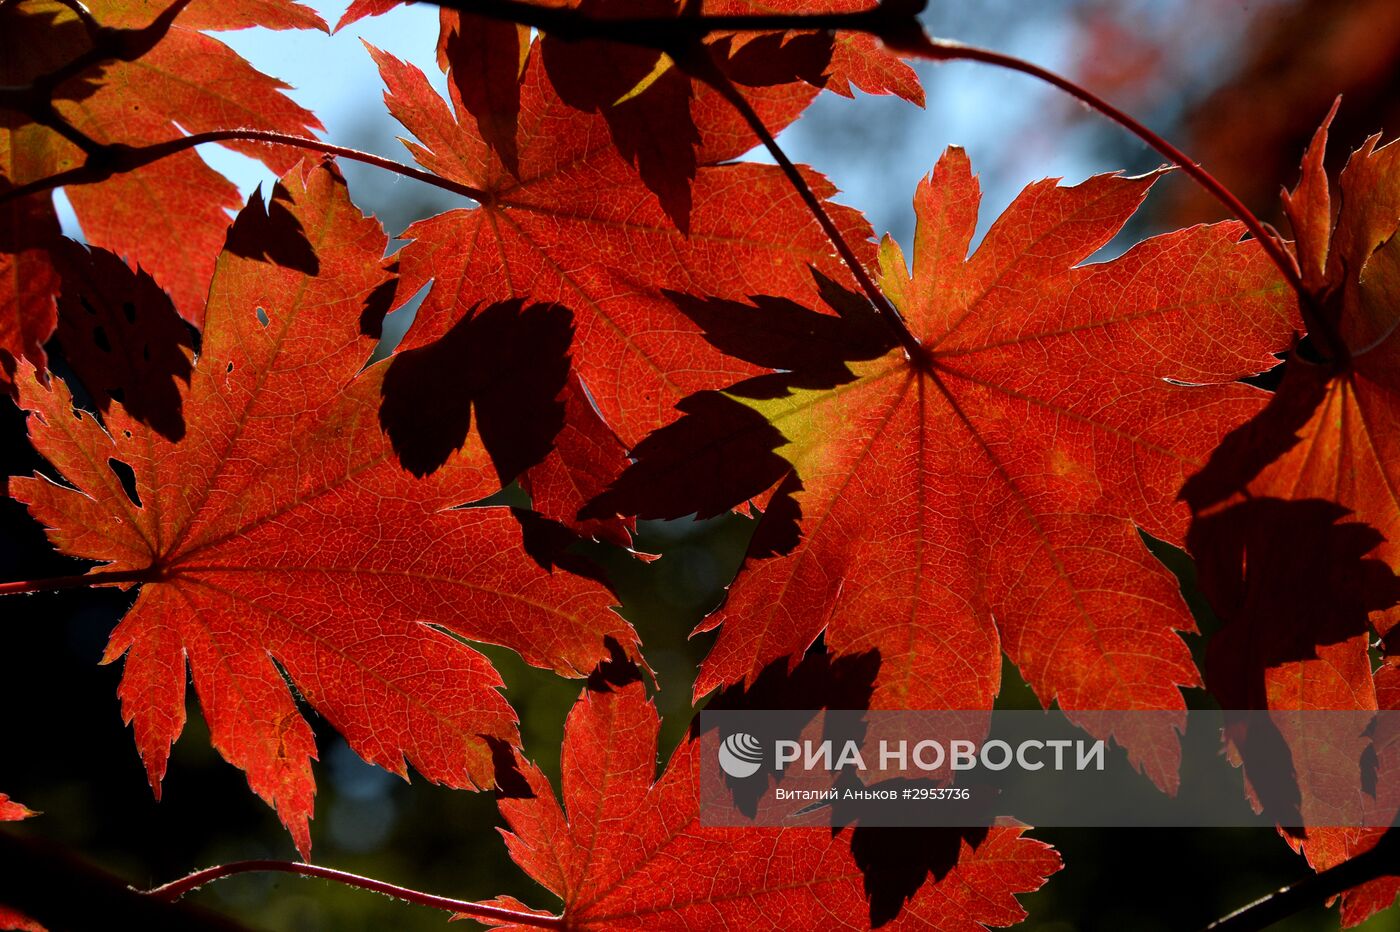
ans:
(1332, 431)
(643, 96)
(1297, 515)
(174, 79)
(28, 280)
(577, 226)
(11, 811)
(12, 919)
(281, 536)
(621, 848)
(587, 456)
(988, 498)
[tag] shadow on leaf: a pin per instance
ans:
(121, 335)
(1293, 584)
(507, 363)
(267, 231)
(646, 105)
(897, 862)
(617, 671)
(721, 452)
(818, 681)
(378, 304)
(1250, 448)
(510, 780)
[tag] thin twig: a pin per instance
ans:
(178, 888)
(943, 50)
(1381, 861)
(699, 64)
(117, 159)
(48, 116)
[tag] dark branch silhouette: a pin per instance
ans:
(1316, 890)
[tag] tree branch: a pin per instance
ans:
(889, 20)
(897, 24)
(894, 21)
(1315, 890)
(116, 159)
(52, 887)
(178, 888)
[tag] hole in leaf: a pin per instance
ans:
(127, 477)
(262, 317)
(99, 338)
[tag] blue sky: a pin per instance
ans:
(875, 149)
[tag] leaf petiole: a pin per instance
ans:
(79, 581)
(177, 888)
